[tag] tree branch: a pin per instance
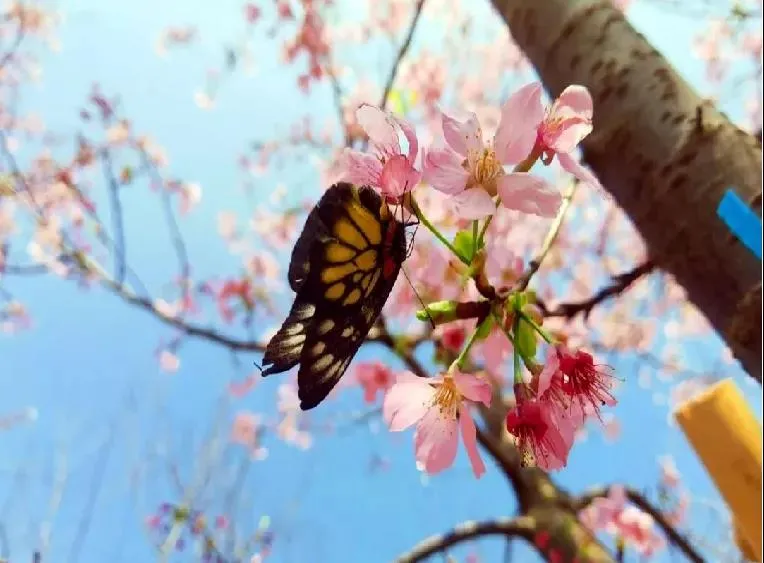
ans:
(186, 328)
(641, 502)
(401, 53)
(621, 283)
(521, 527)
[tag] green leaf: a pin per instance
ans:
(485, 328)
(525, 339)
(439, 312)
(465, 244)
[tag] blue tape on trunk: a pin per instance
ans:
(741, 220)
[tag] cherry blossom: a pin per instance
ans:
(388, 169)
(614, 515)
(543, 428)
(373, 377)
(583, 381)
(552, 131)
(439, 406)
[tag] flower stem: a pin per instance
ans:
(523, 166)
(430, 227)
(528, 363)
(544, 334)
(518, 371)
(475, 240)
(459, 362)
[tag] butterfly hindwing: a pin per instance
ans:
(333, 340)
(285, 348)
(343, 267)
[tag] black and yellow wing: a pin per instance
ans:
(343, 267)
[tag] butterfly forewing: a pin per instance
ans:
(343, 268)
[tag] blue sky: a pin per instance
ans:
(88, 364)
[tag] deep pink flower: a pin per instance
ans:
(453, 336)
(543, 431)
(439, 406)
(388, 169)
(240, 291)
(586, 383)
(373, 377)
(555, 130)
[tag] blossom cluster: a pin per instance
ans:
(552, 398)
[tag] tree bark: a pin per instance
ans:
(665, 154)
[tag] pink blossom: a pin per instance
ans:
(373, 377)
(669, 473)
(613, 514)
(542, 428)
(452, 336)
(472, 171)
(555, 130)
(251, 12)
(439, 406)
(238, 290)
(493, 352)
(387, 169)
(291, 427)
(168, 361)
(583, 381)
(246, 430)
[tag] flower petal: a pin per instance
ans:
(573, 111)
(474, 203)
(521, 116)
(529, 194)
(545, 377)
(359, 168)
(410, 133)
(463, 136)
(469, 437)
(435, 441)
(398, 177)
(575, 99)
(569, 164)
(380, 128)
(407, 401)
(569, 134)
(474, 388)
(443, 170)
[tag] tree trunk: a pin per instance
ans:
(666, 155)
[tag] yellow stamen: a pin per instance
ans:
(447, 397)
(484, 168)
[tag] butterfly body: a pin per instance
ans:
(342, 270)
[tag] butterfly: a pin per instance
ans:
(343, 267)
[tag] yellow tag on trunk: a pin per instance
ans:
(727, 437)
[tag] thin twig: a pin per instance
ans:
(99, 470)
(186, 328)
(18, 38)
(620, 283)
(551, 236)
(401, 53)
(120, 249)
(520, 527)
(176, 236)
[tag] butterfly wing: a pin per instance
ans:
(344, 270)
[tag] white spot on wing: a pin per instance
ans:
(293, 340)
(323, 362)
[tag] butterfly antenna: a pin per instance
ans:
(405, 275)
(259, 367)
